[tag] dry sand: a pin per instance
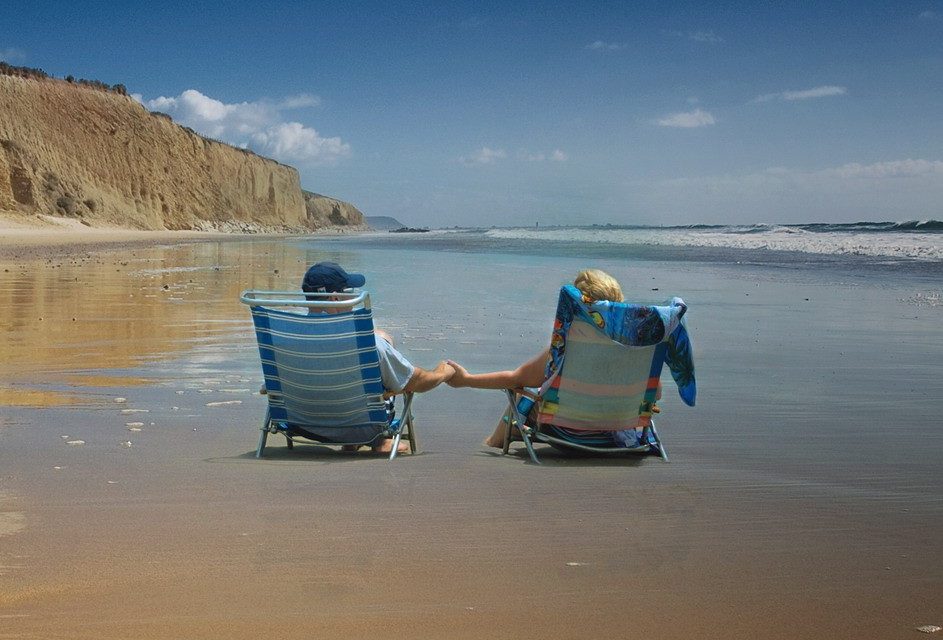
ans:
(183, 534)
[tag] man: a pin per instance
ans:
(398, 374)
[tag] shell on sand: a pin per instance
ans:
(219, 404)
(134, 424)
(135, 410)
(75, 442)
(121, 400)
(929, 628)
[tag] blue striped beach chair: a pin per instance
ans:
(322, 374)
(603, 378)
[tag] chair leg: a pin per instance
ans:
(395, 444)
(410, 423)
(528, 444)
(661, 448)
(509, 416)
(519, 421)
(264, 436)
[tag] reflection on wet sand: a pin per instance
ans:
(69, 321)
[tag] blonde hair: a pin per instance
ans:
(598, 285)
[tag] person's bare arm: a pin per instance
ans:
(425, 380)
(529, 374)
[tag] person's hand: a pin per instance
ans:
(460, 377)
(446, 369)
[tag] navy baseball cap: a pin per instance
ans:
(329, 277)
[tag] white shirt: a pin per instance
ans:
(395, 369)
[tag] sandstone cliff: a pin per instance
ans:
(101, 157)
(323, 211)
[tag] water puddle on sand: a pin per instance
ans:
(37, 398)
(10, 521)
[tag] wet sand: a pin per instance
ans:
(804, 497)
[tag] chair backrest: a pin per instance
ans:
(606, 362)
(321, 369)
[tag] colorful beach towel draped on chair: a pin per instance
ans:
(599, 390)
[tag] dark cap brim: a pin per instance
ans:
(355, 280)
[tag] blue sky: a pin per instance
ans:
(511, 113)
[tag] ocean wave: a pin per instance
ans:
(900, 243)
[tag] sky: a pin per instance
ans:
(517, 113)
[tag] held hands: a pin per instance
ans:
(445, 370)
(460, 376)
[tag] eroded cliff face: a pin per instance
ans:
(323, 211)
(101, 157)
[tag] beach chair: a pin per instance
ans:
(603, 378)
(322, 374)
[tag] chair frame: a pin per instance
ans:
(404, 426)
(514, 419)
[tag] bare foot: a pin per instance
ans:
(387, 445)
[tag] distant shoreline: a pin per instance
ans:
(52, 237)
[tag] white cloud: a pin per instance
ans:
(600, 45)
(295, 142)
(256, 125)
(485, 155)
(824, 91)
(905, 189)
(687, 119)
(300, 101)
(929, 15)
(557, 155)
(892, 169)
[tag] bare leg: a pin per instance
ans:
(496, 439)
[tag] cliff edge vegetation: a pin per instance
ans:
(87, 151)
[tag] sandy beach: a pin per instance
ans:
(804, 497)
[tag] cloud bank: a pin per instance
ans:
(259, 126)
(687, 119)
(487, 155)
(805, 94)
(901, 189)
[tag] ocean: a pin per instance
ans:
(909, 246)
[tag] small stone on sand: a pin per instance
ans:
(928, 628)
(134, 424)
(126, 443)
(120, 400)
(75, 442)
